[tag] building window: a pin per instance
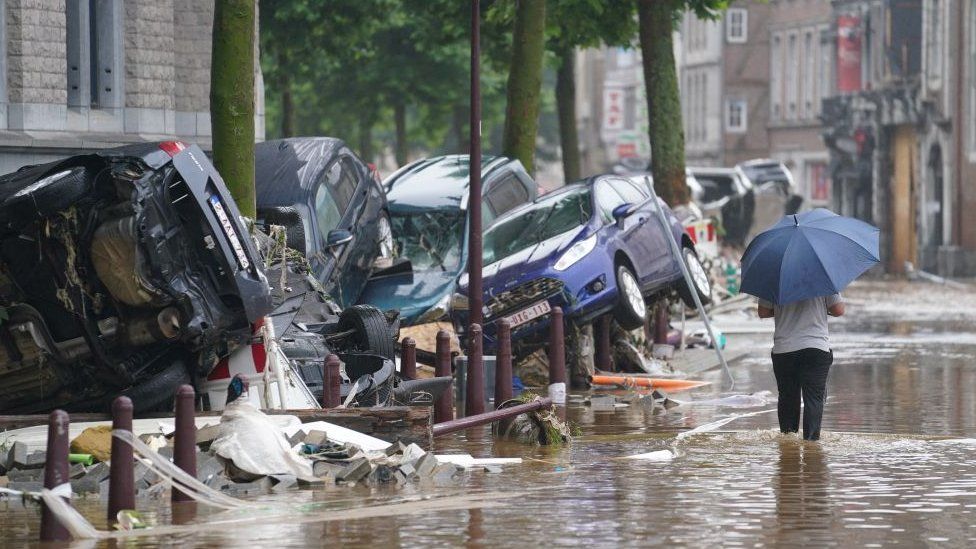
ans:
(735, 116)
(776, 77)
(630, 108)
(971, 73)
(826, 70)
(792, 62)
(737, 25)
(93, 44)
(934, 44)
(809, 71)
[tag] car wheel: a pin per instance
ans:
(631, 310)
(291, 220)
(371, 330)
(699, 278)
(47, 195)
(385, 237)
(157, 393)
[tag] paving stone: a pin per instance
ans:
(208, 468)
(284, 482)
(167, 452)
(77, 470)
(26, 475)
(206, 435)
(35, 460)
(603, 402)
(425, 466)
(668, 404)
(99, 471)
(311, 483)
(323, 469)
(395, 448)
(296, 438)
(408, 469)
(260, 486)
(316, 437)
(493, 469)
(445, 472)
(355, 470)
(85, 485)
(25, 486)
(383, 474)
(17, 453)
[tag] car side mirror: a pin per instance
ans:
(337, 238)
(622, 211)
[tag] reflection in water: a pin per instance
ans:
(877, 477)
(801, 486)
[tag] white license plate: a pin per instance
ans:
(527, 314)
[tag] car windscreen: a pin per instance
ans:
(764, 173)
(715, 186)
(550, 216)
(431, 239)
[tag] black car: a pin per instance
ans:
(126, 271)
(332, 206)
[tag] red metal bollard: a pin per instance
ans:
(602, 344)
(408, 358)
(444, 406)
(557, 358)
(185, 439)
(474, 395)
(55, 473)
(661, 319)
(330, 382)
(121, 484)
(503, 363)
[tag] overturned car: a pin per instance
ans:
(129, 272)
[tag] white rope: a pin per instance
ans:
(62, 490)
(178, 478)
(71, 519)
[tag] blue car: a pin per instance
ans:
(592, 248)
(428, 214)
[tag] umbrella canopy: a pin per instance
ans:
(808, 255)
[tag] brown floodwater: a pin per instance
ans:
(894, 467)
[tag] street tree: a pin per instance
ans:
(657, 19)
(232, 99)
(525, 82)
(581, 24)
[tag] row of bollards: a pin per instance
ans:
(121, 494)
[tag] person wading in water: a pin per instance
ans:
(802, 359)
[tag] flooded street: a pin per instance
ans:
(894, 466)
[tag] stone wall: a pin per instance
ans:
(150, 75)
(36, 67)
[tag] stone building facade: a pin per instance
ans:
(79, 75)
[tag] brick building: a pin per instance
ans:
(85, 74)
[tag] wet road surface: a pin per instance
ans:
(894, 466)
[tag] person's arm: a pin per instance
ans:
(765, 309)
(835, 305)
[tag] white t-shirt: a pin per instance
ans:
(802, 324)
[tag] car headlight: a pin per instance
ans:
(575, 253)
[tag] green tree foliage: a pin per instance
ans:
(232, 98)
(581, 24)
(657, 19)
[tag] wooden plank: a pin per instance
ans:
(409, 424)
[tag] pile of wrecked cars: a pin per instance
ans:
(130, 271)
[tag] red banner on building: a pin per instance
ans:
(848, 53)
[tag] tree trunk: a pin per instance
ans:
(232, 99)
(366, 138)
(524, 82)
(287, 105)
(400, 122)
(663, 101)
(566, 105)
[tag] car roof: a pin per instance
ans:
(440, 182)
(285, 168)
(710, 171)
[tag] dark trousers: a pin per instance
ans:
(802, 372)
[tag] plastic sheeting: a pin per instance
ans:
(255, 445)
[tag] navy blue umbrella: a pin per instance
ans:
(812, 254)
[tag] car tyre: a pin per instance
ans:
(55, 196)
(291, 220)
(371, 330)
(631, 310)
(699, 277)
(157, 393)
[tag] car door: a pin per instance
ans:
(336, 209)
(626, 232)
(652, 240)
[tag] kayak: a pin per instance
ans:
(649, 382)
